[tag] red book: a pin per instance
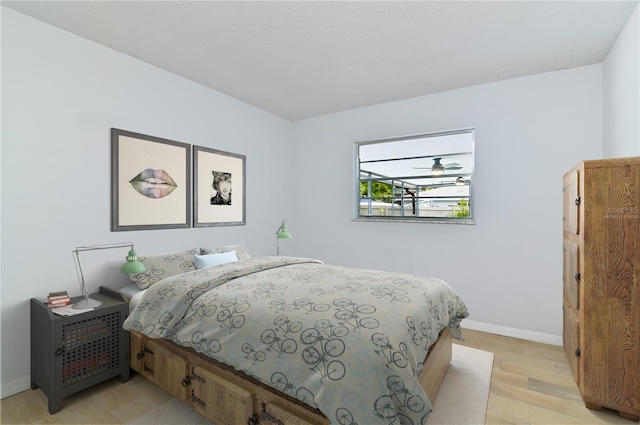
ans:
(59, 302)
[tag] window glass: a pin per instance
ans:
(426, 177)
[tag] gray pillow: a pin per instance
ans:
(241, 251)
(161, 266)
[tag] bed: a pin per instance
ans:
(293, 340)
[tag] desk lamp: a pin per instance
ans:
(131, 266)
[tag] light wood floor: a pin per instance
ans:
(531, 384)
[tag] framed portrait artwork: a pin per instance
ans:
(150, 182)
(218, 188)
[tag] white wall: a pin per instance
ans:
(508, 266)
(61, 94)
(621, 81)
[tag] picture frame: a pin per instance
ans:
(219, 183)
(150, 182)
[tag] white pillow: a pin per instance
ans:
(204, 261)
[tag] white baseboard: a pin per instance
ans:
(513, 332)
(14, 387)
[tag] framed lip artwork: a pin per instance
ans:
(219, 197)
(150, 182)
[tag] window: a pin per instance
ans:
(426, 177)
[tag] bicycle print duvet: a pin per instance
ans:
(348, 341)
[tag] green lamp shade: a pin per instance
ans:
(283, 233)
(132, 265)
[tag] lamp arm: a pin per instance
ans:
(83, 285)
(76, 257)
(279, 227)
(104, 246)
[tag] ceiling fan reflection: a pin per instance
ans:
(437, 169)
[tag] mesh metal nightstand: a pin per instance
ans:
(69, 354)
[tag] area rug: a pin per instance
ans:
(462, 399)
(463, 396)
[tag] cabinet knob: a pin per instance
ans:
(577, 352)
(577, 277)
(577, 201)
(140, 355)
(59, 351)
(186, 381)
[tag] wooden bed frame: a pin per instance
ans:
(228, 397)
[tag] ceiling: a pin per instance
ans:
(300, 59)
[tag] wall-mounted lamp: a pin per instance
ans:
(131, 266)
(281, 233)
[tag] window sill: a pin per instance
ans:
(436, 220)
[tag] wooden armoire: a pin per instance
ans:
(601, 282)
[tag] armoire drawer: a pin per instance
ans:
(571, 340)
(571, 272)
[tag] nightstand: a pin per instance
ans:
(69, 354)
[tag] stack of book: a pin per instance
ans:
(58, 299)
